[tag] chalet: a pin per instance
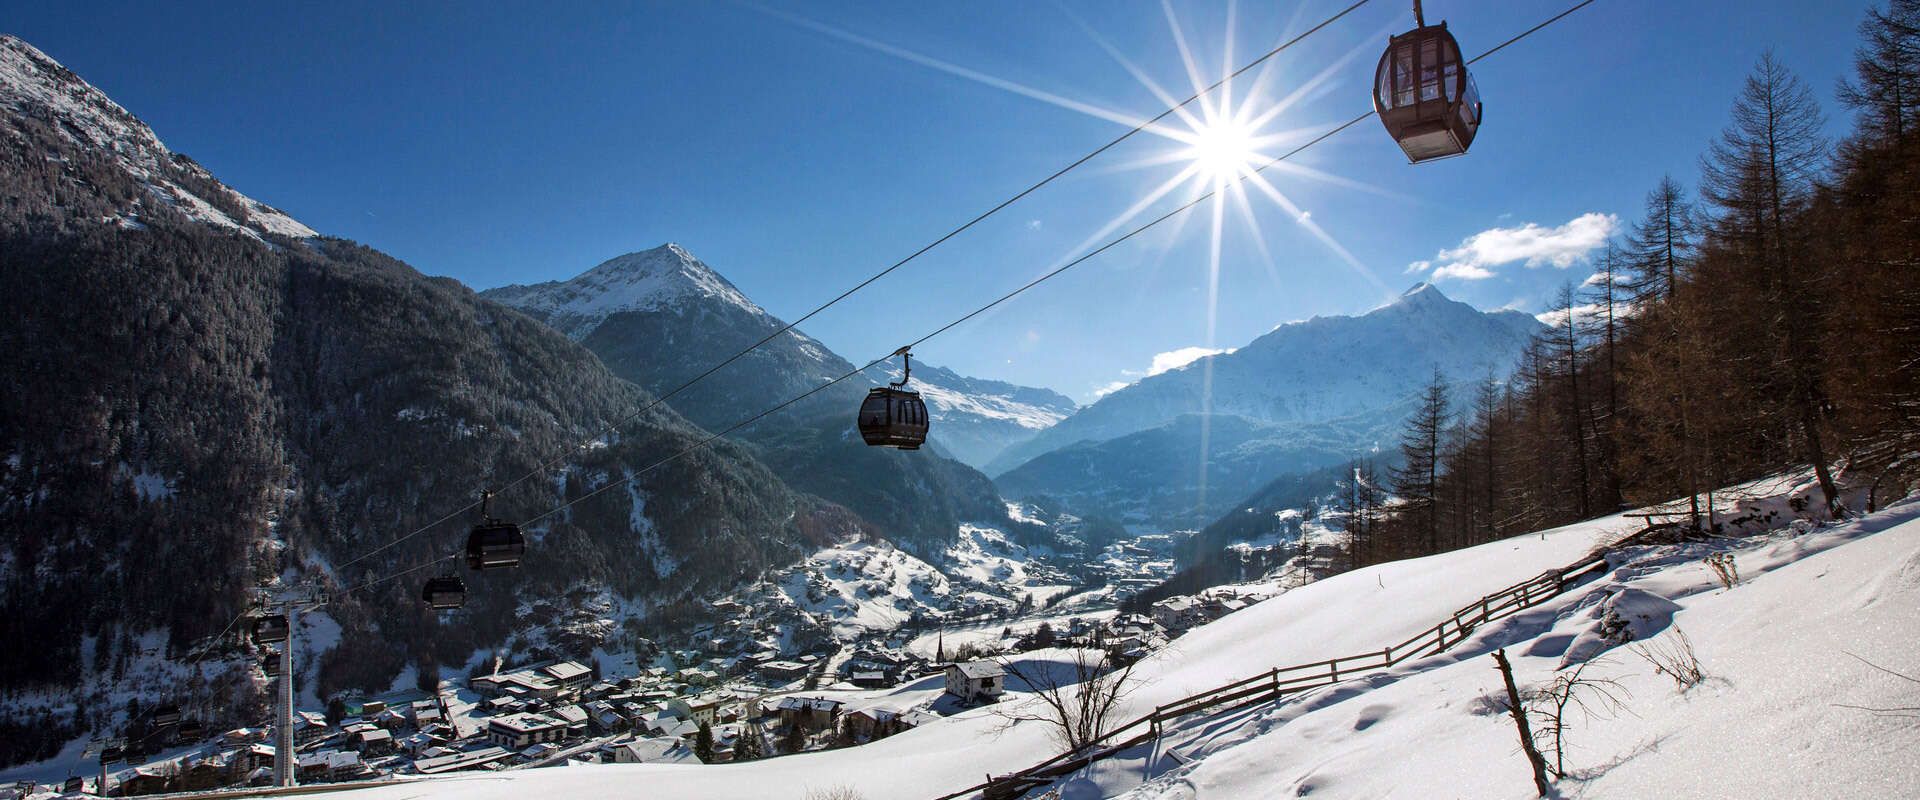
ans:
(874, 679)
(570, 714)
(151, 779)
(1217, 607)
(810, 713)
(975, 681)
(331, 765)
(458, 761)
(202, 772)
(374, 743)
(783, 670)
(605, 718)
(873, 723)
(517, 732)
(654, 751)
(1179, 613)
(372, 708)
(308, 726)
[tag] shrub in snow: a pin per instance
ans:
(835, 793)
(1724, 569)
(1673, 657)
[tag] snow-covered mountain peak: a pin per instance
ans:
(34, 86)
(1421, 292)
(648, 280)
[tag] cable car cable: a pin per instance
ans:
(1029, 285)
(660, 399)
(970, 315)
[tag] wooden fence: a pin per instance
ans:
(1278, 683)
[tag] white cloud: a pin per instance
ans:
(1530, 244)
(1418, 266)
(1462, 271)
(1033, 224)
(1175, 359)
(1162, 362)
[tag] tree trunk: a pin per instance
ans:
(1519, 712)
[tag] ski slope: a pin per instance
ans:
(1774, 647)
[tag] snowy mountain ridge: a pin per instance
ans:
(641, 281)
(33, 85)
(1317, 370)
(662, 316)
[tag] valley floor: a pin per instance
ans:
(1785, 651)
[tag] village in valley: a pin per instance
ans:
(855, 644)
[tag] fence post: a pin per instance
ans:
(1274, 676)
(1386, 655)
(1483, 610)
(1333, 670)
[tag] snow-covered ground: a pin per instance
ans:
(1767, 722)
(863, 587)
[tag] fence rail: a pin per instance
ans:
(1279, 682)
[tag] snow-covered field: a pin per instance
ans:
(1779, 650)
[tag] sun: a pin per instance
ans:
(1223, 149)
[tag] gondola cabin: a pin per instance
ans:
(1424, 95)
(270, 664)
(495, 545)
(446, 591)
(165, 716)
(893, 418)
(192, 730)
(270, 628)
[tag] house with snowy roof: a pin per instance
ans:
(976, 681)
(654, 751)
(811, 713)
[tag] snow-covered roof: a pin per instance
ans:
(567, 671)
(977, 670)
(659, 751)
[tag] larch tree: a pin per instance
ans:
(1416, 481)
(1761, 169)
(1660, 244)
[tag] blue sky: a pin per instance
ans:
(511, 144)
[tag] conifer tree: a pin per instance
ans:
(1416, 482)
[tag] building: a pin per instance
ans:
(459, 761)
(331, 765)
(654, 751)
(308, 726)
(568, 674)
(873, 723)
(783, 670)
(976, 681)
(518, 732)
(1179, 613)
(875, 679)
(810, 713)
(373, 743)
